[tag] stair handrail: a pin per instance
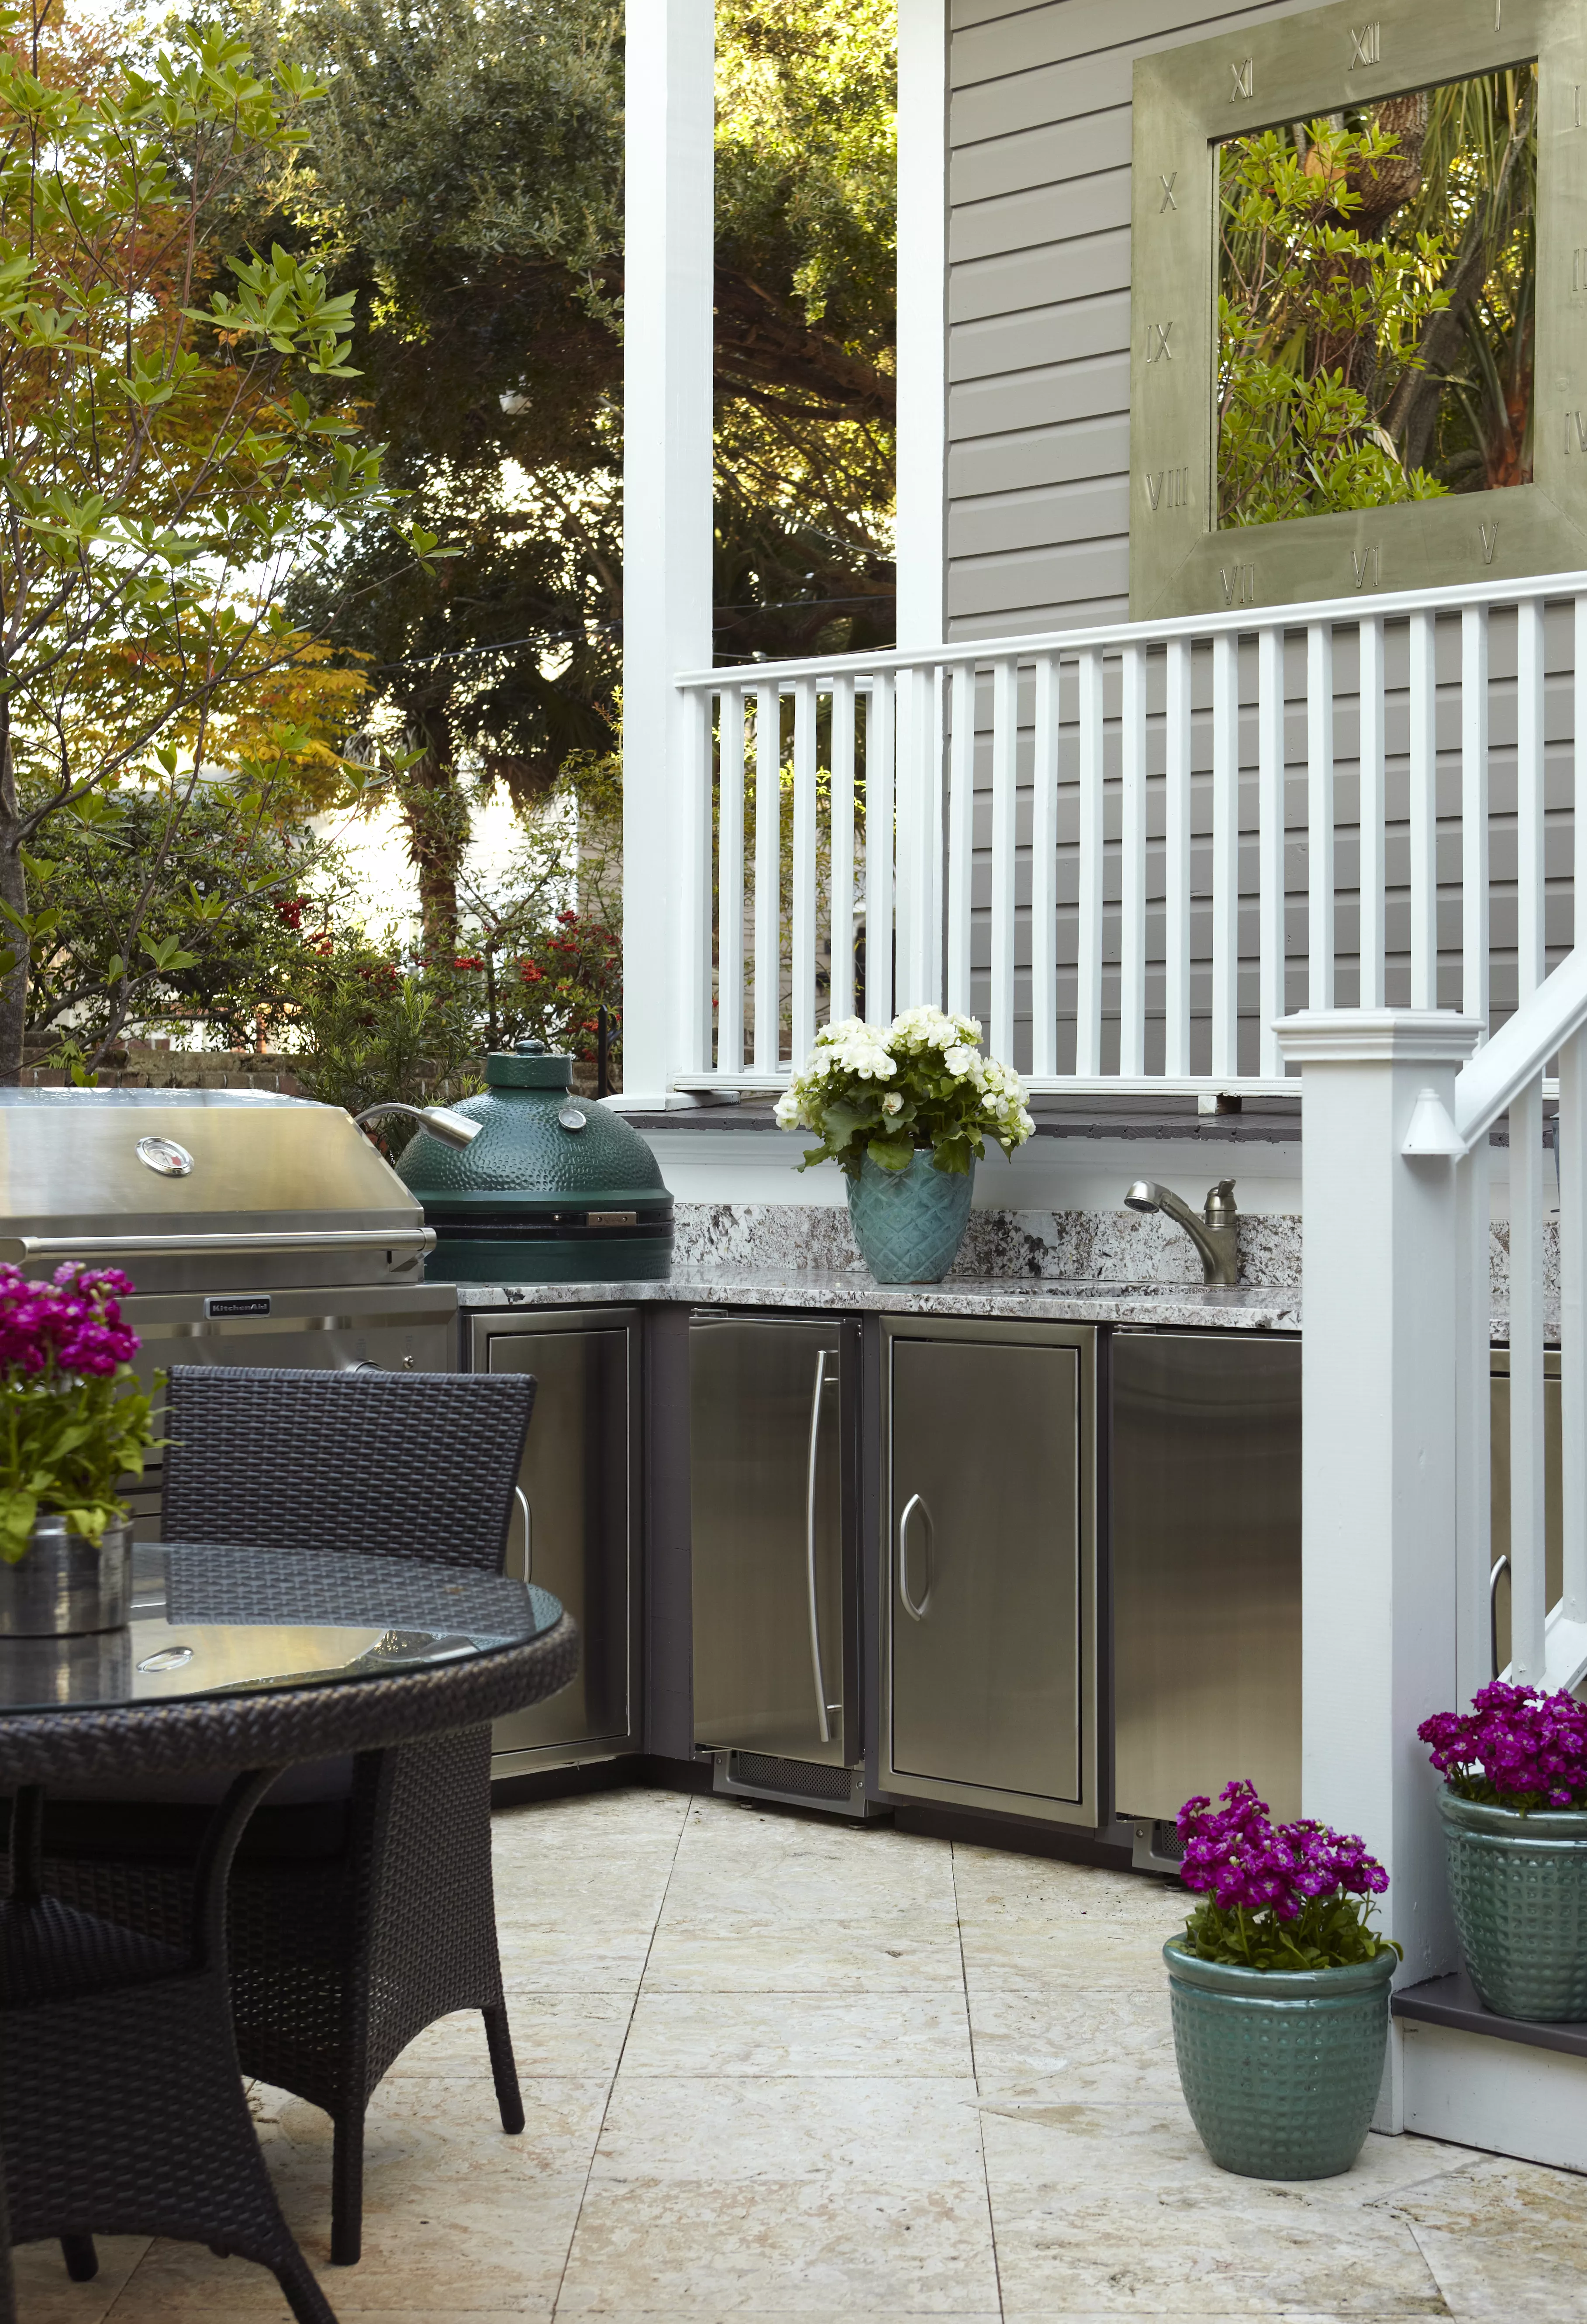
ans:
(1489, 1082)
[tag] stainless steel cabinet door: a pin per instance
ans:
(766, 1492)
(576, 1482)
(1206, 1568)
(986, 1539)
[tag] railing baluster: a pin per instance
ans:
(1225, 855)
(1424, 810)
(1176, 862)
(1005, 744)
(1473, 1424)
(961, 833)
(1529, 930)
(1571, 1156)
(1132, 867)
(768, 879)
(1319, 815)
(1270, 928)
(803, 1012)
(842, 848)
(730, 882)
(1088, 982)
(1474, 905)
(1528, 1600)
(1579, 772)
(1371, 813)
(879, 820)
(1044, 870)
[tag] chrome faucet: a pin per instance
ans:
(1215, 1235)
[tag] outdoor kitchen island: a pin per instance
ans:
(865, 1547)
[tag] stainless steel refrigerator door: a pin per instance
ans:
(575, 1484)
(984, 1540)
(767, 1529)
(1206, 1568)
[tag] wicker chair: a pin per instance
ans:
(359, 1918)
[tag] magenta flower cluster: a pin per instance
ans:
(1238, 1857)
(1516, 1747)
(69, 1328)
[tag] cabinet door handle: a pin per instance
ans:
(522, 1498)
(914, 1502)
(823, 1725)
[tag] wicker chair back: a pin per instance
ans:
(394, 1464)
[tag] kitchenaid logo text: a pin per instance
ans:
(237, 1306)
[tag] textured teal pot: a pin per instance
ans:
(1280, 2069)
(910, 1223)
(1518, 1885)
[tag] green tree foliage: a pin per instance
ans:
(468, 170)
(171, 450)
(221, 939)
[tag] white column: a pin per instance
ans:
(922, 320)
(668, 265)
(1379, 1583)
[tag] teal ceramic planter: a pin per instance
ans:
(910, 1223)
(1280, 2070)
(1519, 1886)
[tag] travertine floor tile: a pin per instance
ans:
(46, 2294)
(1507, 2241)
(901, 2132)
(572, 1960)
(1114, 2041)
(1004, 1955)
(878, 2034)
(787, 1955)
(553, 2033)
(796, 2246)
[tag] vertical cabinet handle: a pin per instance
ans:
(823, 1724)
(522, 1498)
(916, 1612)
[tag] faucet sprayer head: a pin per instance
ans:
(1144, 1196)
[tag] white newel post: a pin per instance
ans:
(1378, 1505)
(668, 299)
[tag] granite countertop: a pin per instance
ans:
(1173, 1306)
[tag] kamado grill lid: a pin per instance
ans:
(555, 1188)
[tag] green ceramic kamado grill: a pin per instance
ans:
(555, 1189)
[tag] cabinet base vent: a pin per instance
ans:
(796, 1783)
(1157, 1846)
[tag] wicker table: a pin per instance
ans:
(122, 2109)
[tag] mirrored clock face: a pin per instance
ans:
(1375, 287)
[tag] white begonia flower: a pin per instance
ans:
(892, 1102)
(958, 1060)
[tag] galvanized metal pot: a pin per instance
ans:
(1280, 2069)
(63, 1586)
(910, 1223)
(1519, 1886)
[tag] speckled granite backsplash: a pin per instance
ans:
(1039, 1246)
(1048, 1246)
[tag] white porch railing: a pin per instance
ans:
(1131, 850)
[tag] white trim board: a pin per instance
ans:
(1507, 2097)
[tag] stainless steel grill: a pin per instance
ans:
(257, 1229)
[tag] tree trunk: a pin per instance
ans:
(437, 815)
(13, 892)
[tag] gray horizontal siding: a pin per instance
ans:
(1039, 301)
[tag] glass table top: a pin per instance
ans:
(208, 1618)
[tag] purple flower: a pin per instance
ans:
(68, 1328)
(1236, 1855)
(1516, 1747)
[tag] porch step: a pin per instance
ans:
(1507, 2085)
